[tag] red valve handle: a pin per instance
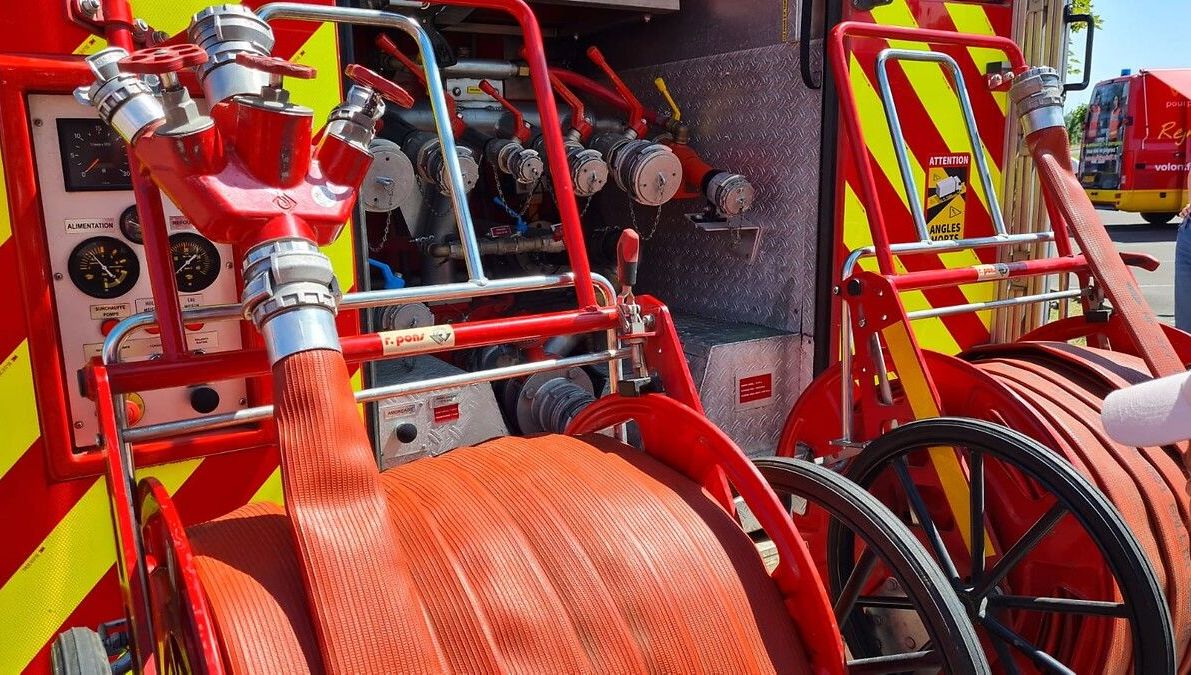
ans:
(161, 60)
(387, 90)
(628, 254)
(520, 130)
(636, 119)
(578, 113)
(275, 66)
(389, 47)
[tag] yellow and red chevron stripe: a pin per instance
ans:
(933, 125)
(57, 565)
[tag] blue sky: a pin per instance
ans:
(1137, 34)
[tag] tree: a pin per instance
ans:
(1075, 122)
(1074, 63)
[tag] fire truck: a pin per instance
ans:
(570, 336)
(1134, 152)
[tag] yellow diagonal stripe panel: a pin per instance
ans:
(270, 490)
(933, 88)
(971, 18)
(63, 569)
(880, 144)
(5, 215)
(21, 426)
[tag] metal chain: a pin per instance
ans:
(657, 218)
(384, 237)
(501, 193)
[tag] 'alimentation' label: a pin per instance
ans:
(946, 194)
(88, 225)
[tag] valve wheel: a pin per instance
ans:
(1031, 615)
(274, 65)
(160, 60)
(387, 90)
(945, 637)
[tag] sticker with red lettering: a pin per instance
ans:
(416, 340)
(446, 413)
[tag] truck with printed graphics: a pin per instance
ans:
(1135, 150)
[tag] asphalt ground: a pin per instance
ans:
(1133, 234)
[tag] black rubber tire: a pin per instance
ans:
(848, 505)
(1145, 605)
(1158, 218)
(79, 651)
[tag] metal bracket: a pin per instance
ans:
(746, 237)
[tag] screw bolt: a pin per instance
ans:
(78, 425)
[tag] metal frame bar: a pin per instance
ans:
(259, 413)
(899, 139)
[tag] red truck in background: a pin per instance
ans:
(1135, 143)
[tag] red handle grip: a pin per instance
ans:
(161, 60)
(578, 112)
(520, 129)
(636, 118)
(389, 47)
(628, 254)
(390, 91)
(275, 66)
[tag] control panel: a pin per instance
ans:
(97, 259)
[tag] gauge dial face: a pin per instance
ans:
(130, 225)
(104, 267)
(93, 156)
(196, 261)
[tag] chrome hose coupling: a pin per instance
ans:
(1038, 95)
(223, 31)
(354, 121)
(122, 99)
(291, 294)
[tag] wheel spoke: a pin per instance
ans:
(928, 524)
(1019, 550)
(895, 663)
(1060, 605)
(1023, 645)
(1007, 662)
(885, 602)
(976, 512)
(855, 583)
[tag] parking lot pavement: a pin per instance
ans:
(1133, 234)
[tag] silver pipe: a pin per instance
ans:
(489, 69)
(899, 140)
(364, 300)
(992, 304)
(434, 86)
(845, 395)
(911, 247)
(264, 412)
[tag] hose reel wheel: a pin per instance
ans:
(390, 180)
(936, 629)
(1034, 601)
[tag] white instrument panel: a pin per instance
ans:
(96, 281)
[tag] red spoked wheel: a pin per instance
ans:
(274, 65)
(390, 91)
(1016, 498)
(184, 635)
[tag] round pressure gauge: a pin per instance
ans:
(104, 267)
(130, 225)
(196, 261)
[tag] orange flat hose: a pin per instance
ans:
(365, 610)
(1051, 151)
(550, 554)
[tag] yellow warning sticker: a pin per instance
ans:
(417, 340)
(946, 192)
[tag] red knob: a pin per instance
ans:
(387, 90)
(161, 60)
(275, 66)
(628, 255)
